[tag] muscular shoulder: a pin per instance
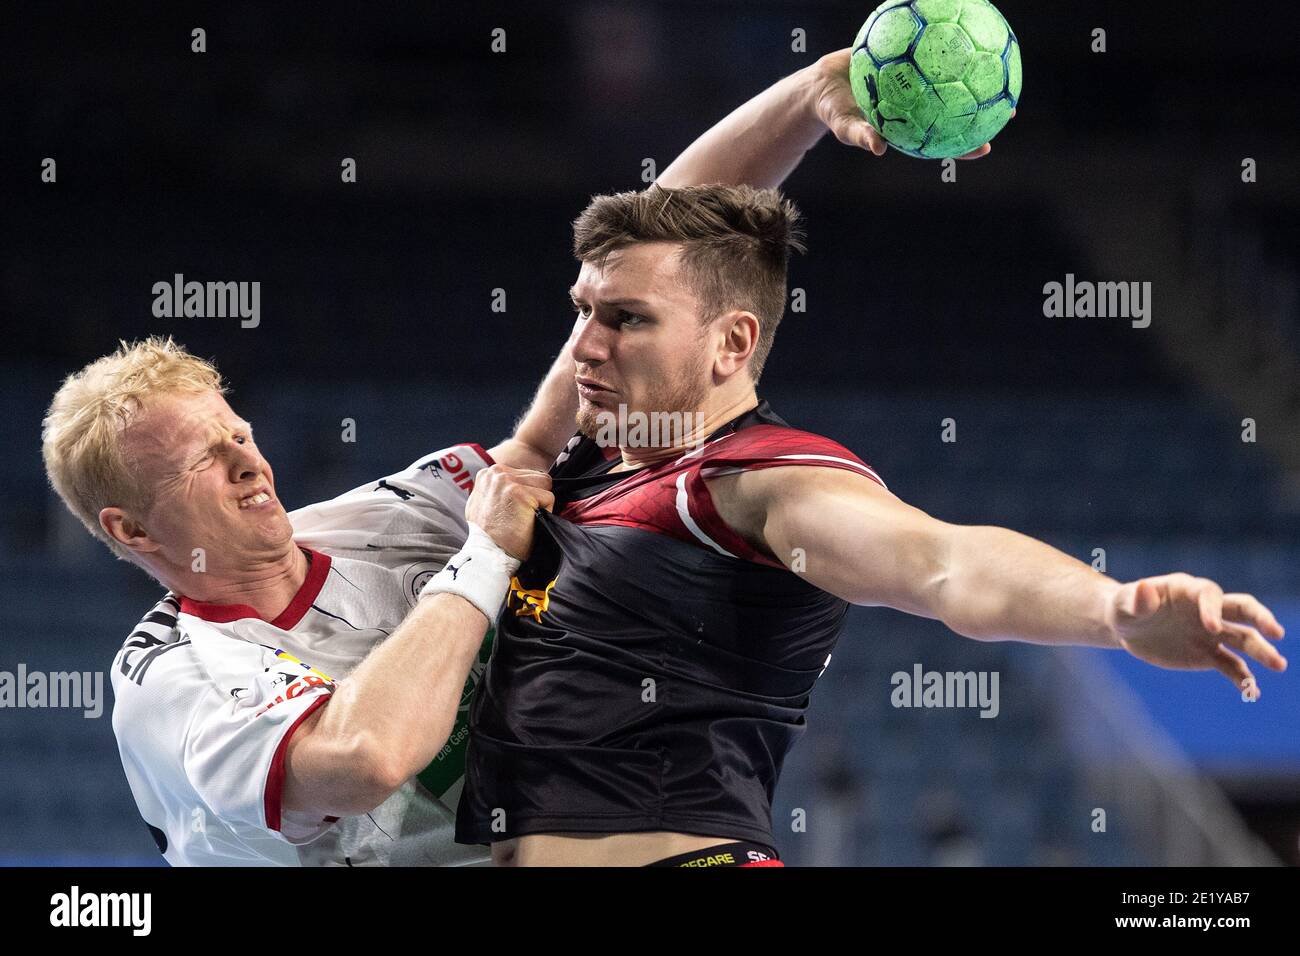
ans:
(749, 470)
(747, 499)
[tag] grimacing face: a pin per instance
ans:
(643, 344)
(212, 488)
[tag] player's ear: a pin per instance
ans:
(739, 337)
(126, 530)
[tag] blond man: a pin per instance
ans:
(220, 716)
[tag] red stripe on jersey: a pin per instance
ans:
(764, 863)
(316, 574)
(705, 512)
(273, 792)
(673, 499)
(317, 571)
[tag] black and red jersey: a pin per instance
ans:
(651, 669)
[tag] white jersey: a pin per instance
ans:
(207, 695)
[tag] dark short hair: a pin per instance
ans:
(736, 245)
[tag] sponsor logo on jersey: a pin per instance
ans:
(457, 471)
(400, 492)
(295, 683)
(529, 602)
(717, 859)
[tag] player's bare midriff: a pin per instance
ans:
(598, 849)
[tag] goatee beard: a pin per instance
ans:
(686, 395)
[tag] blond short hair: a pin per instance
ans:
(736, 245)
(81, 435)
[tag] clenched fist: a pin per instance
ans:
(504, 502)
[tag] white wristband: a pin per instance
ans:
(480, 573)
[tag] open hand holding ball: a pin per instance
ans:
(936, 78)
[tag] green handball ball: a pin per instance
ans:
(936, 78)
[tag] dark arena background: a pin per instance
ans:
(920, 341)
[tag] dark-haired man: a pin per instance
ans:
(657, 652)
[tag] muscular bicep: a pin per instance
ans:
(327, 774)
(850, 536)
(307, 780)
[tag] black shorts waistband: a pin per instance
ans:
(741, 853)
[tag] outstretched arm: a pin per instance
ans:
(866, 546)
(762, 141)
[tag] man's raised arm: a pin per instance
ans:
(759, 143)
(864, 545)
(541, 433)
(762, 141)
